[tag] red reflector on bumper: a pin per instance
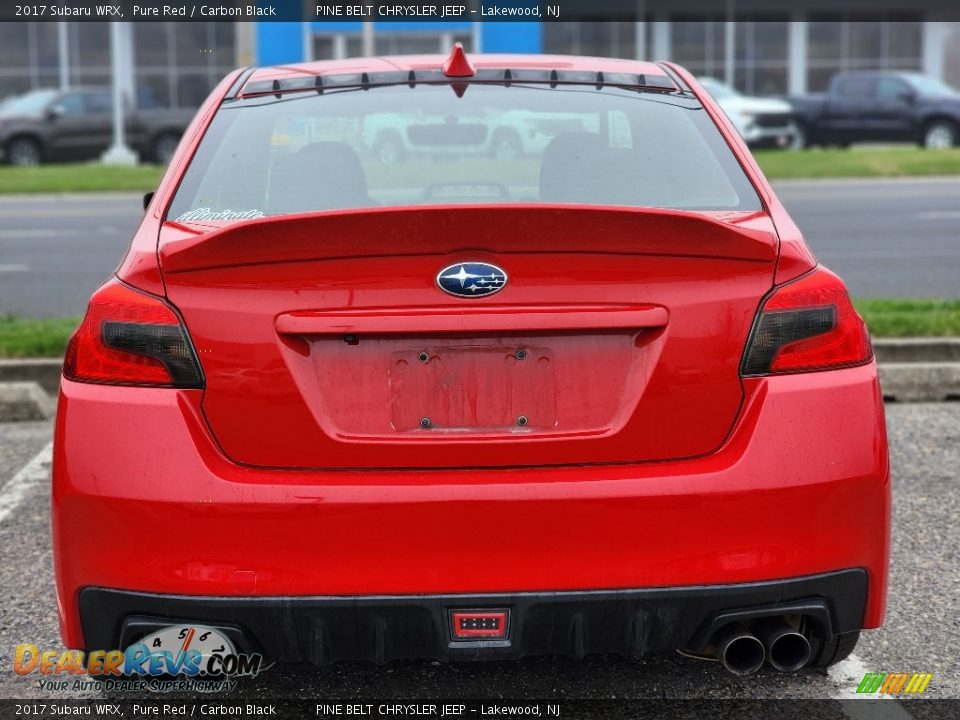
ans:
(469, 625)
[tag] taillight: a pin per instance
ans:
(131, 338)
(808, 324)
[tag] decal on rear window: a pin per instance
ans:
(208, 214)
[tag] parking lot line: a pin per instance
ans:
(939, 215)
(39, 233)
(43, 213)
(846, 675)
(37, 469)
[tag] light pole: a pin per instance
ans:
(729, 49)
(63, 55)
(119, 153)
(368, 44)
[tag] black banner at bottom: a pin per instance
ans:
(175, 709)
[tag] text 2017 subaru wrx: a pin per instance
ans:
(555, 375)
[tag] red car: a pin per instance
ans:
(596, 399)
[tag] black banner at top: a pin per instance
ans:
(400, 10)
(315, 10)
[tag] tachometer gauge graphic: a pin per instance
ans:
(179, 647)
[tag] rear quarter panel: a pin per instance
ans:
(140, 266)
(794, 257)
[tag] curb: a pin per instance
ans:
(43, 371)
(23, 401)
(911, 370)
(28, 388)
(861, 180)
(917, 350)
(920, 382)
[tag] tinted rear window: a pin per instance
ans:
(397, 145)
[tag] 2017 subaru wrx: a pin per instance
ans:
(595, 395)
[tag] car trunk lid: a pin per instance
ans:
(326, 342)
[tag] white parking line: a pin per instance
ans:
(66, 212)
(939, 215)
(13, 493)
(847, 675)
(39, 233)
(19, 267)
(111, 196)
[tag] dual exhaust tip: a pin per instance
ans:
(742, 652)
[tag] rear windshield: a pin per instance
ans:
(447, 144)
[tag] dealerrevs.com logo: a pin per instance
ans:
(181, 657)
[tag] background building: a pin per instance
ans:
(175, 64)
(761, 52)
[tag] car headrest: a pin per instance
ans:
(572, 167)
(319, 176)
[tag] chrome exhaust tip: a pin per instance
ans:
(788, 650)
(739, 650)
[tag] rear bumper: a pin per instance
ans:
(384, 628)
(143, 501)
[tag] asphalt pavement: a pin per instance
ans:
(886, 238)
(922, 631)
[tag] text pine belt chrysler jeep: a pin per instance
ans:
(594, 395)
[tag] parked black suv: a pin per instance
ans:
(879, 107)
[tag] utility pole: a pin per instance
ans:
(640, 30)
(367, 41)
(729, 45)
(63, 55)
(476, 36)
(119, 153)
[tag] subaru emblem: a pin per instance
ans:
(471, 279)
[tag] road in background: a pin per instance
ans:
(921, 633)
(886, 238)
(55, 251)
